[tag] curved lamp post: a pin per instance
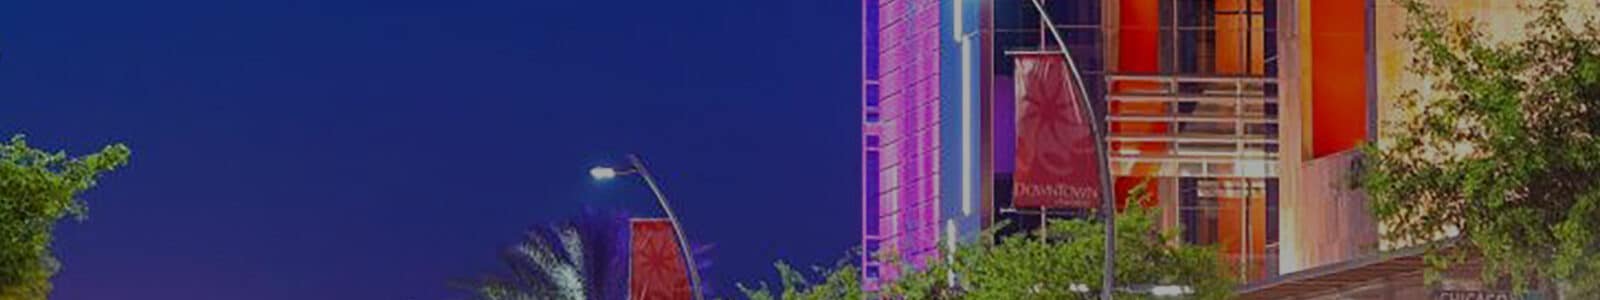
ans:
(1108, 205)
(606, 173)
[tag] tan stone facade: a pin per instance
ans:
(1329, 243)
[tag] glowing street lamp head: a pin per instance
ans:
(602, 173)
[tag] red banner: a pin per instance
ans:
(655, 267)
(1055, 146)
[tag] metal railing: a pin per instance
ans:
(1195, 126)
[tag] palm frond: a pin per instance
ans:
(580, 259)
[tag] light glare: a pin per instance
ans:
(1170, 290)
(602, 173)
(1078, 288)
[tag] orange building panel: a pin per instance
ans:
(1339, 76)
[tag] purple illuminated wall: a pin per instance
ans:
(900, 126)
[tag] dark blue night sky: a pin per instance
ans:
(349, 149)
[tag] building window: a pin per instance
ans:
(1239, 216)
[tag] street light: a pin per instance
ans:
(606, 173)
(602, 173)
(1108, 205)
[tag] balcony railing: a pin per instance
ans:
(1192, 126)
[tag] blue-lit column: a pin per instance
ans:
(961, 48)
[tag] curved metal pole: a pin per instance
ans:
(1108, 205)
(683, 242)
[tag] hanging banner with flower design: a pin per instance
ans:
(655, 268)
(1055, 147)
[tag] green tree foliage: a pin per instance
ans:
(1071, 253)
(37, 188)
(1500, 147)
(1028, 266)
(843, 281)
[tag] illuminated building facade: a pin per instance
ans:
(1189, 94)
(1330, 246)
(919, 130)
(1238, 117)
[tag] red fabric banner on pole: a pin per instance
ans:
(1055, 147)
(655, 268)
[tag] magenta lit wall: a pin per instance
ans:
(900, 191)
